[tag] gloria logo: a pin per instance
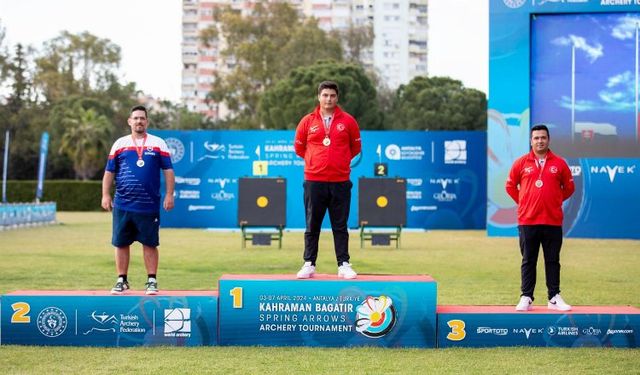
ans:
(52, 322)
(376, 316)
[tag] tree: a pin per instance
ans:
(168, 115)
(283, 106)
(261, 50)
(76, 64)
(438, 103)
(356, 40)
(86, 142)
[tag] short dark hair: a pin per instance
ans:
(328, 85)
(139, 108)
(539, 127)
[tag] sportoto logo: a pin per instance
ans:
(52, 322)
(177, 322)
(376, 316)
(176, 149)
(392, 152)
(514, 4)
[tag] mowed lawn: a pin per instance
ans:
(470, 268)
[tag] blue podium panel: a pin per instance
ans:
(96, 318)
(280, 310)
(584, 326)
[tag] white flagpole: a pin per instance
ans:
(573, 92)
(637, 136)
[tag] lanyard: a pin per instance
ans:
(139, 150)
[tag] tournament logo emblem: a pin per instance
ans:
(52, 322)
(376, 316)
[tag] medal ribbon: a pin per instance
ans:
(327, 126)
(541, 167)
(139, 150)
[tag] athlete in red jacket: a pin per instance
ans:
(327, 139)
(539, 182)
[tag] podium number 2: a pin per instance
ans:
(457, 330)
(236, 293)
(20, 311)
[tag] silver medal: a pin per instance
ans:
(326, 141)
(140, 163)
(538, 183)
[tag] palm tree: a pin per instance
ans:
(86, 142)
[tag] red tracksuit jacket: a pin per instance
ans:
(540, 205)
(327, 163)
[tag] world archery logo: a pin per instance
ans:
(376, 316)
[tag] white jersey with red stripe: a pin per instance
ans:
(138, 183)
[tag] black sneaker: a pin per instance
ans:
(120, 287)
(152, 287)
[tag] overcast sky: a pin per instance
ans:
(149, 33)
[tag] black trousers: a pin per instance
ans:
(318, 198)
(531, 237)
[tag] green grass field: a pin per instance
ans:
(470, 268)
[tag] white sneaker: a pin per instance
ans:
(346, 272)
(557, 303)
(306, 271)
(525, 304)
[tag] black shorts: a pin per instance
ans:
(135, 226)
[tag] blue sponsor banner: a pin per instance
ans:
(278, 310)
(561, 63)
(42, 164)
(445, 173)
(98, 319)
(584, 326)
(18, 214)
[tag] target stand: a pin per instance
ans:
(262, 210)
(382, 210)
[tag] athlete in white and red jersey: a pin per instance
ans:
(135, 162)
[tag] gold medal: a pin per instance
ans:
(326, 141)
(539, 183)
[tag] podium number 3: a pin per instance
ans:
(236, 293)
(20, 311)
(457, 330)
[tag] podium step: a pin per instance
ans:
(97, 318)
(372, 310)
(583, 326)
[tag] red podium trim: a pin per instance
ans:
(494, 309)
(331, 277)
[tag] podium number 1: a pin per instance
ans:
(236, 293)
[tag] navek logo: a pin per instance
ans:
(613, 171)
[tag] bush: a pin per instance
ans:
(69, 195)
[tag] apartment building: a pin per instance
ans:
(399, 51)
